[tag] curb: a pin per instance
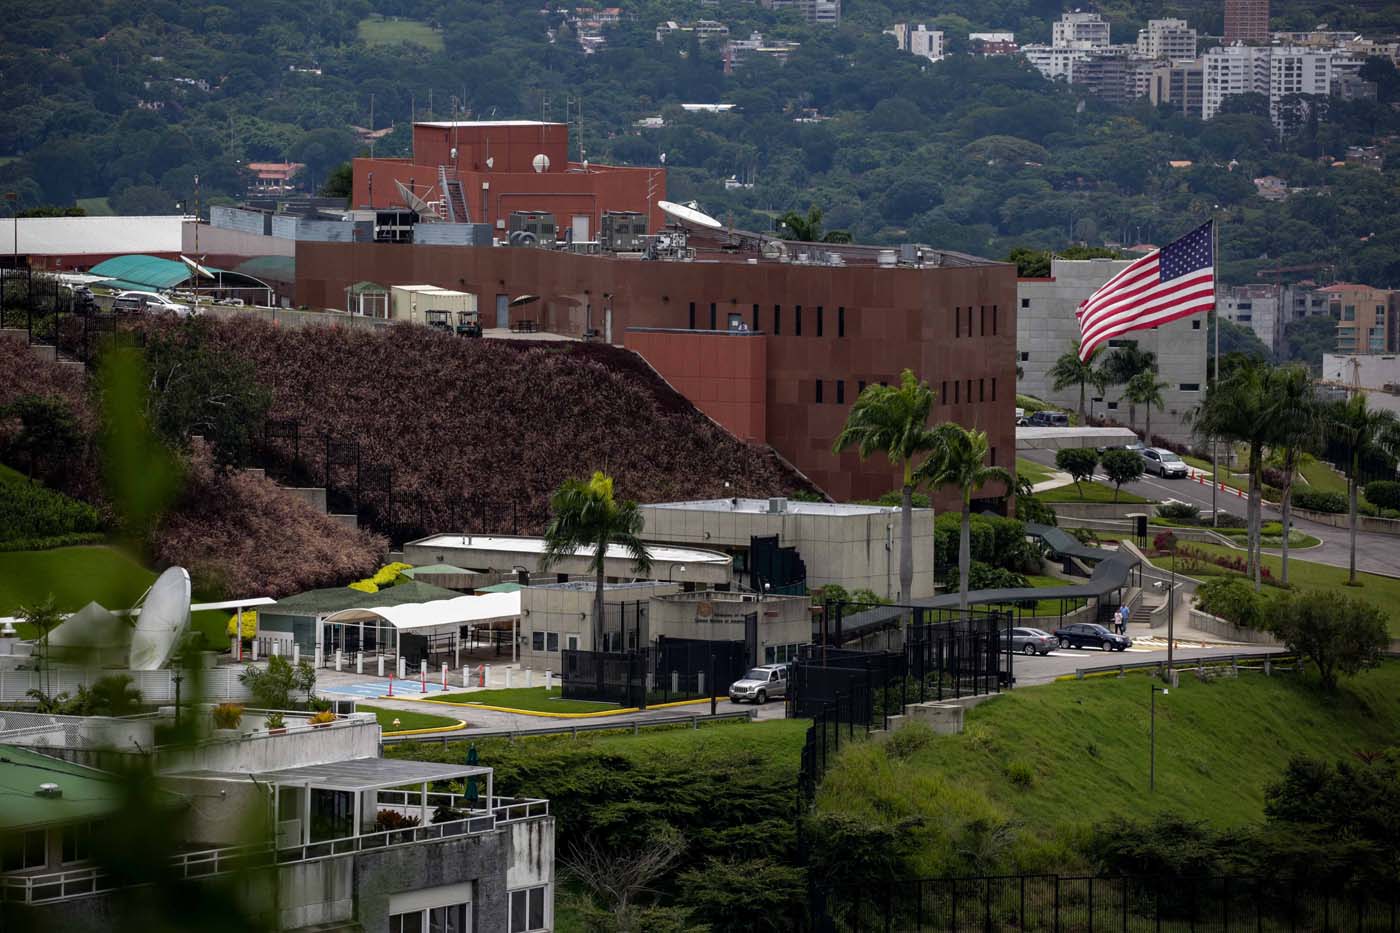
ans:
(546, 715)
(460, 724)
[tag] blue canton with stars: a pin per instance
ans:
(1189, 254)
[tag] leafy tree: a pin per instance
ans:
(1340, 634)
(43, 617)
(734, 895)
(1079, 463)
(1121, 364)
(276, 687)
(1362, 432)
(1235, 339)
(893, 420)
(339, 183)
(1121, 466)
(137, 200)
(48, 434)
(1070, 370)
(808, 228)
(1030, 263)
(587, 516)
(960, 461)
(1383, 494)
(1307, 339)
(1296, 419)
(1144, 389)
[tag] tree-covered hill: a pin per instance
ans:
(131, 100)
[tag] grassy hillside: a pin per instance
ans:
(377, 30)
(1037, 767)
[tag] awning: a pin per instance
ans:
(362, 774)
(463, 610)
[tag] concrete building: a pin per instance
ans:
(815, 12)
(558, 617)
(1078, 30)
(703, 28)
(76, 244)
(1055, 63)
(992, 43)
(1047, 329)
(291, 818)
(1180, 84)
(1246, 21)
(1170, 39)
(1257, 307)
(918, 39)
(1115, 79)
(522, 557)
(1237, 69)
(1376, 374)
(1304, 300)
(855, 546)
(1366, 318)
(1279, 73)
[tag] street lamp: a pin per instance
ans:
(1152, 752)
(674, 568)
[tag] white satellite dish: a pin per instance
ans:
(425, 212)
(196, 268)
(688, 216)
(164, 618)
(540, 163)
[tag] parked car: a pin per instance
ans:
(760, 684)
(1091, 635)
(1049, 419)
(150, 303)
(1029, 640)
(1136, 447)
(1163, 462)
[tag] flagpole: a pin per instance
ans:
(1215, 379)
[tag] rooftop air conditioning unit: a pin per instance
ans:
(777, 505)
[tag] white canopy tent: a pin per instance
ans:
(440, 617)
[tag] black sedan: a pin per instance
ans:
(1091, 635)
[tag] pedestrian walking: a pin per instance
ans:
(1122, 620)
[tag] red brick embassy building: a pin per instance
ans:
(823, 320)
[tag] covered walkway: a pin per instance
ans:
(418, 632)
(138, 272)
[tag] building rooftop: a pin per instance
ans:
(448, 124)
(522, 545)
(93, 236)
(361, 774)
(590, 585)
(792, 507)
(83, 793)
(337, 598)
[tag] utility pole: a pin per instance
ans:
(1152, 741)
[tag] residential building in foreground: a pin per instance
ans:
(1047, 329)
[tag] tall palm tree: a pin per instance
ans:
(808, 228)
(1235, 408)
(1070, 370)
(1296, 419)
(1144, 389)
(961, 462)
(586, 515)
(893, 420)
(1364, 432)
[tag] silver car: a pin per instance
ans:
(1163, 462)
(1030, 640)
(760, 684)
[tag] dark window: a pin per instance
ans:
(1190, 387)
(1112, 406)
(943, 395)
(537, 641)
(861, 386)
(552, 641)
(692, 315)
(819, 320)
(755, 317)
(969, 320)
(840, 391)
(777, 319)
(957, 322)
(1025, 357)
(995, 315)
(994, 388)
(77, 842)
(1196, 324)
(1025, 302)
(982, 315)
(957, 390)
(713, 316)
(981, 390)
(969, 391)
(819, 391)
(994, 457)
(841, 321)
(797, 321)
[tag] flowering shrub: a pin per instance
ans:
(227, 715)
(250, 624)
(364, 586)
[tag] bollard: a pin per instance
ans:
(296, 654)
(1267, 666)
(338, 660)
(675, 681)
(381, 665)
(444, 676)
(529, 677)
(466, 675)
(702, 683)
(359, 662)
(423, 676)
(391, 683)
(548, 681)
(255, 649)
(508, 677)
(403, 667)
(235, 647)
(485, 674)
(277, 648)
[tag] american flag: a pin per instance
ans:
(1173, 282)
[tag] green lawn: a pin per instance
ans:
(1048, 762)
(406, 720)
(530, 698)
(1377, 590)
(1035, 472)
(1088, 492)
(1322, 478)
(76, 576)
(376, 30)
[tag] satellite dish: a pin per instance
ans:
(164, 618)
(425, 212)
(519, 300)
(772, 249)
(93, 636)
(688, 216)
(198, 270)
(540, 163)
(453, 153)
(490, 161)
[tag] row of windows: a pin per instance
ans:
(982, 317)
(549, 641)
(780, 654)
(734, 321)
(982, 394)
(1195, 325)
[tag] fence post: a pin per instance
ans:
(1057, 904)
(987, 906)
(1091, 905)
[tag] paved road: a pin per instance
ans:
(1375, 553)
(1030, 671)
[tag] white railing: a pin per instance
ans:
(218, 683)
(56, 886)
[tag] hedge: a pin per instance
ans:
(1383, 493)
(1315, 501)
(53, 541)
(34, 511)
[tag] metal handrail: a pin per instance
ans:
(1187, 664)
(692, 719)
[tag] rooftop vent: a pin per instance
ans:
(49, 790)
(777, 505)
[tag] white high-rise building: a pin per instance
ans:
(918, 39)
(1055, 62)
(1079, 31)
(1171, 39)
(1276, 72)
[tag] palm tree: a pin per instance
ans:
(960, 462)
(1296, 418)
(1144, 389)
(1070, 370)
(587, 516)
(893, 420)
(808, 228)
(1235, 408)
(1364, 432)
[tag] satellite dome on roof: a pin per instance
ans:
(541, 163)
(688, 216)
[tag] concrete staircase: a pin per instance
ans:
(314, 496)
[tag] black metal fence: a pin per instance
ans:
(604, 676)
(1055, 903)
(676, 669)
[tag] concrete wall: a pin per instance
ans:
(1384, 526)
(1214, 625)
(287, 317)
(849, 550)
(1046, 327)
(782, 620)
(379, 875)
(567, 610)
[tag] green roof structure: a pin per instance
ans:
(430, 569)
(506, 587)
(83, 793)
(334, 599)
(140, 272)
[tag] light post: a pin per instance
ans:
(523, 578)
(1152, 751)
(1171, 612)
(672, 570)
